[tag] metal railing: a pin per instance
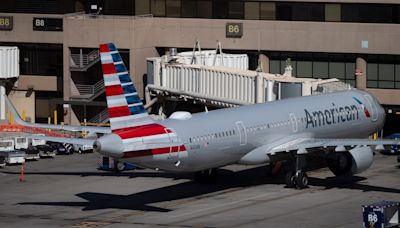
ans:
(101, 117)
(83, 60)
(87, 90)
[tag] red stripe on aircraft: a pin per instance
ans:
(113, 90)
(366, 112)
(104, 48)
(109, 68)
(151, 152)
(141, 131)
(168, 149)
(118, 111)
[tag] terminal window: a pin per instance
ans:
(315, 65)
(383, 72)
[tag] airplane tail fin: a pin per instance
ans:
(125, 108)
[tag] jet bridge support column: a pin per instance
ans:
(259, 90)
(361, 73)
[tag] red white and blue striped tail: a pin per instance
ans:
(125, 108)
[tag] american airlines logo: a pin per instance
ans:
(330, 116)
(366, 112)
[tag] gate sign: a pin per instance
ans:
(234, 30)
(6, 22)
(47, 24)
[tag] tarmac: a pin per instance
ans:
(69, 191)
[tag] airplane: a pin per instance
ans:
(334, 126)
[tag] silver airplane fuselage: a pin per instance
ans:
(221, 137)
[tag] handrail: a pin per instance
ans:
(82, 89)
(83, 60)
(101, 117)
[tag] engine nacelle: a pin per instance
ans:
(354, 161)
(255, 157)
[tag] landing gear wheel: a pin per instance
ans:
(301, 180)
(290, 179)
(119, 166)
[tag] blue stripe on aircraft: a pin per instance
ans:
(137, 109)
(116, 58)
(358, 101)
(112, 47)
(129, 89)
(124, 78)
(120, 68)
(134, 99)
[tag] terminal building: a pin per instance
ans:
(355, 41)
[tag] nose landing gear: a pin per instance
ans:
(297, 179)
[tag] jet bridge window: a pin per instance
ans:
(21, 140)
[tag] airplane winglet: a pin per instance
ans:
(16, 116)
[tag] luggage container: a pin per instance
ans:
(11, 155)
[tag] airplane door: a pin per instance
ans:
(173, 144)
(242, 133)
(371, 106)
(293, 120)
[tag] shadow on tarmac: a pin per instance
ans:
(228, 181)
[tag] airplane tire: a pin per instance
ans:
(301, 180)
(290, 179)
(119, 166)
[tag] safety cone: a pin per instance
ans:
(21, 179)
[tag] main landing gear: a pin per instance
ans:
(297, 178)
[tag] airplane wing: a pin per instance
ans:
(19, 121)
(303, 144)
(78, 141)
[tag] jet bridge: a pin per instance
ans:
(224, 86)
(9, 73)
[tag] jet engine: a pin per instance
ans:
(353, 161)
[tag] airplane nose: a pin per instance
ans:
(109, 145)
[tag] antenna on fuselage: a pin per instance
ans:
(206, 109)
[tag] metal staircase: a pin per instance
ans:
(100, 118)
(82, 62)
(87, 92)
